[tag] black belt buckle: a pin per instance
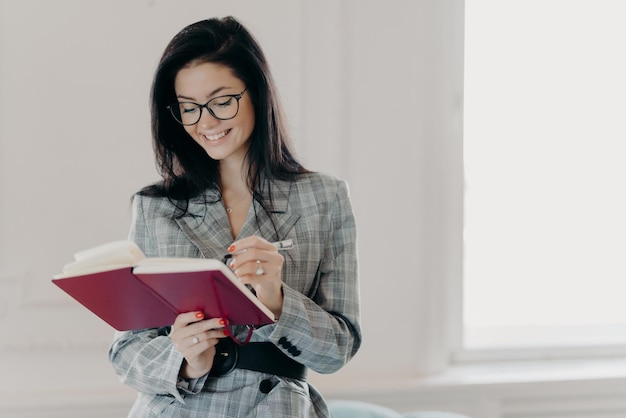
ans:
(226, 357)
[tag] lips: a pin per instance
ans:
(216, 136)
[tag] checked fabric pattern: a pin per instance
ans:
(319, 326)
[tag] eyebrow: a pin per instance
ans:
(213, 93)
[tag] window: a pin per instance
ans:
(544, 151)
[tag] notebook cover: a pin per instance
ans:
(119, 299)
(195, 291)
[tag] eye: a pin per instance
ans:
(222, 101)
(188, 107)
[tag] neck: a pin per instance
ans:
(234, 187)
(233, 175)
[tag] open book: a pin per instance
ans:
(128, 290)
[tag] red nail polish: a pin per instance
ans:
(231, 248)
(222, 322)
(199, 315)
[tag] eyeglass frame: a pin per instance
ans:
(206, 106)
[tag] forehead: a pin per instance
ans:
(203, 80)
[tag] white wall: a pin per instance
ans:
(367, 92)
(373, 91)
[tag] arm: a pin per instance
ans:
(147, 360)
(322, 331)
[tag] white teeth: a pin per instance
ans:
(216, 137)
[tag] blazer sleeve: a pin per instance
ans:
(323, 331)
(146, 360)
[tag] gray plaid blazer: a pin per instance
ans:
(320, 317)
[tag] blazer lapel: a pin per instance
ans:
(282, 221)
(206, 225)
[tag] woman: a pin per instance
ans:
(232, 184)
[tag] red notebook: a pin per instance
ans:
(129, 291)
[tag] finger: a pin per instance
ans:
(253, 254)
(258, 264)
(187, 318)
(248, 243)
(206, 325)
(200, 336)
(254, 268)
(183, 332)
(183, 320)
(206, 339)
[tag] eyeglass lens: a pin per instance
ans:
(189, 113)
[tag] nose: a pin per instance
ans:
(207, 120)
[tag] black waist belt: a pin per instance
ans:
(260, 357)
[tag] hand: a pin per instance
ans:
(253, 255)
(196, 338)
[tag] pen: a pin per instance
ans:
(280, 245)
(283, 245)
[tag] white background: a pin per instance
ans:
(373, 91)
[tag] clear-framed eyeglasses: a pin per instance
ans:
(223, 108)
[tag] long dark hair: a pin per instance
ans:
(186, 169)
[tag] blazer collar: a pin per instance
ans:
(207, 227)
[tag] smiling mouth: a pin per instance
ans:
(217, 136)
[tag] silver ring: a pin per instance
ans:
(259, 271)
(195, 340)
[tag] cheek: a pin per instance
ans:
(191, 131)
